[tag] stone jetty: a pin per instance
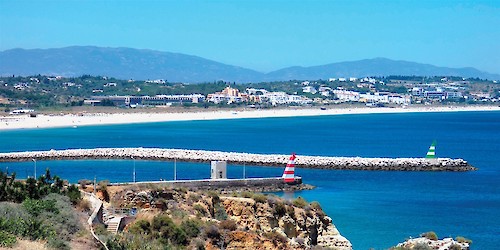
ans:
(302, 161)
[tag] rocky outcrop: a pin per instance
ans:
(322, 162)
(262, 222)
(443, 244)
(305, 227)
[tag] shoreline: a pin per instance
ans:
(92, 119)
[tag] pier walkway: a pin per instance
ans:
(303, 161)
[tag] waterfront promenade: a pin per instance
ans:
(302, 161)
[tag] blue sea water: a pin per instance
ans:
(372, 209)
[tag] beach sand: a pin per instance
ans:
(86, 119)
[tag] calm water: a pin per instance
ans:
(372, 209)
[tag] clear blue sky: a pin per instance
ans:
(269, 34)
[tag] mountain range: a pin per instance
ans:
(141, 64)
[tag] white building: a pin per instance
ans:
(218, 170)
(374, 98)
(346, 95)
(399, 99)
(309, 89)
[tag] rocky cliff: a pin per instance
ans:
(241, 220)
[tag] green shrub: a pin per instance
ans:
(430, 235)
(259, 198)
(17, 221)
(74, 194)
(246, 194)
(279, 209)
(194, 197)
(229, 225)
(57, 243)
(219, 212)
(161, 223)
(7, 239)
(65, 223)
(455, 247)
(316, 206)
(191, 227)
(200, 209)
(178, 236)
(141, 227)
(461, 239)
(299, 202)
(36, 207)
(165, 228)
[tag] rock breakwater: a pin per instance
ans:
(303, 161)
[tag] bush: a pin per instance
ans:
(65, 223)
(259, 198)
(276, 238)
(316, 206)
(17, 221)
(200, 209)
(141, 227)
(246, 194)
(56, 243)
(212, 232)
(161, 223)
(36, 207)
(178, 236)
(228, 225)
(219, 212)
(461, 239)
(455, 247)
(7, 239)
(165, 228)
(430, 235)
(191, 227)
(299, 202)
(279, 209)
(194, 197)
(74, 194)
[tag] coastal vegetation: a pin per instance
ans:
(62, 93)
(179, 218)
(38, 209)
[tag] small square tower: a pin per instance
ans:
(218, 170)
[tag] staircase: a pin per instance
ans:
(114, 224)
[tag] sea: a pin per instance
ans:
(373, 209)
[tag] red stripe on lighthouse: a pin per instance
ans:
(289, 173)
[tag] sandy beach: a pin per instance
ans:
(86, 119)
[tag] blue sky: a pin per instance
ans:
(269, 34)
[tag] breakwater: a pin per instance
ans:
(226, 186)
(302, 161)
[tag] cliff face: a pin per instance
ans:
(258, 222)
(304, 227)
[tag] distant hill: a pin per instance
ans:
(127, 63)
(122, 63)
(376, 67)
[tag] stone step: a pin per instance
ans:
(114, 224)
